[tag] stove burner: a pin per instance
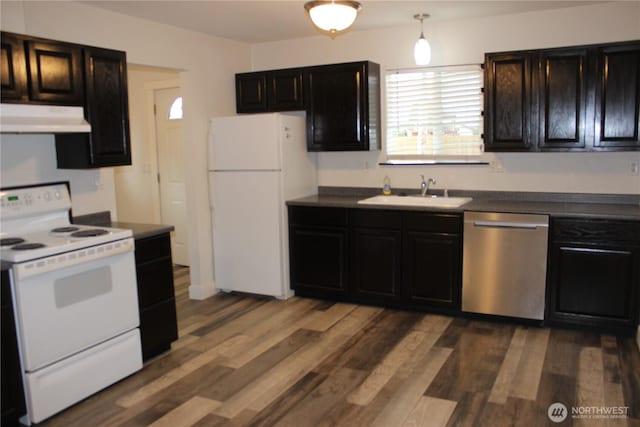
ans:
(92, 232)
(28, 246)
(10, 241)
(64, 229)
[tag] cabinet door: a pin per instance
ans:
(593, 285)
(337, 112)
(107, 106)
(285, 90)
(251, 92)
(562, 91)
(617, 111)
(508, 102)
(376, 256)
(317, 258)
(13, 69)
(432, 269)
(55, 71)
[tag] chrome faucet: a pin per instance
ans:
(424, 185)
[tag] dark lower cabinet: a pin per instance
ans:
(156, 298)
(13, 403)
(318, 251)
(376, 256)
(393, 257)
(432, 255)
(594, 274)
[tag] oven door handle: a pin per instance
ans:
(69, 259)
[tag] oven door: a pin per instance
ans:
(69, 302)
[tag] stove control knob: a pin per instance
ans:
(57, 194)
(47, 196)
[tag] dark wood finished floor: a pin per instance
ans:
(243, 361)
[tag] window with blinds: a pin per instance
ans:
(435, 111)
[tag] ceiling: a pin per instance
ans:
(262, 21)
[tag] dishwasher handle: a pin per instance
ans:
(508, 224)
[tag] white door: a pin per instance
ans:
(171, 170)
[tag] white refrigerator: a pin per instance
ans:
(256, 163)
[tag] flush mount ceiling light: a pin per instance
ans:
(332, 16)
(422, 50)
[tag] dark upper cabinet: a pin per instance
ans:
(376, 255)
(508, 102)
(268, 91)
(432, 270)
(318, 252)
(562, 99)
(106, 107)
(13, 69)
(284, 90)
(594, 274)
(251, 92)
(617, 106)
(41, 71)
(581, 98)
(343, 107)
(55, 72)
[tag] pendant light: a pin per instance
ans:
(332, 16)
(422, 50)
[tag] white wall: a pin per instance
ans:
(207, 87)
(136, 185)
(464, 42)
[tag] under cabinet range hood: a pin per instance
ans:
(29, 118)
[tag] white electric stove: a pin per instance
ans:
(75, 296)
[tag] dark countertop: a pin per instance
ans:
(557, 209)
(141, 231)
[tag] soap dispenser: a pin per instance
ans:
(386, 186)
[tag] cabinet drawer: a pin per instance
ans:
(314, 216)
(595, 230)
(158, 328)
(152, 248)
(436, 223)
(155, 282)
(376, 218)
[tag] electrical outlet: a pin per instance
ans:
(634, 168)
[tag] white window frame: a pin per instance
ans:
(432, 157)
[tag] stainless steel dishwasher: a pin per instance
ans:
(505, 264)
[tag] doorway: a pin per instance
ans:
(168, 123)
(139, 193)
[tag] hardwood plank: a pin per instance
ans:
(176, 374)
(188, 413)
(525, 384)
(502, 385)
(383, 372)
(406, 398)
(430, 412)
(286, 373)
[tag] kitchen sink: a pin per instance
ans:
(416, 200)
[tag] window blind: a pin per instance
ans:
(435, 111)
